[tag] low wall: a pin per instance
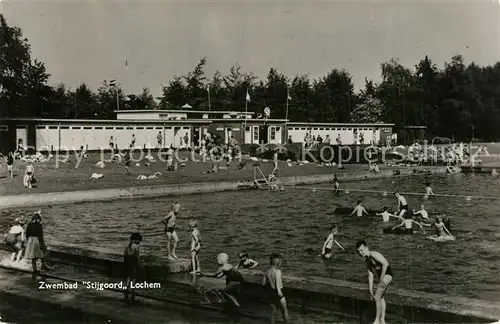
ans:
(107, 261)
(30, 200)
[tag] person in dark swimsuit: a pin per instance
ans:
(132, 265)
(10, 164)
(234, 278)
(378, 266)
(273, 283)
(402, 204)
(169, 222)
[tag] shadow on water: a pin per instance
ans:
(296, 222)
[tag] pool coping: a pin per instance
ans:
(31, 200)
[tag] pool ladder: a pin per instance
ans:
(260, 183)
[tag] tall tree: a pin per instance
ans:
(275, 93)
(195, 86)
(175, 94)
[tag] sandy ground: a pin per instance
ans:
(67, 177)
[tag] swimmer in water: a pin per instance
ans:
(245, 261)
(169, 222)
(402, 204)
(234, 278)
(408, 224)
(195, 246)
(440, 227)
(326, 251)
(424, 215)
(386, 215)
(336, 185)
(359, 210)
(428, 190)
(378, 266)
(132, 264)
(273, 282)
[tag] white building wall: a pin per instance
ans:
(346, 132)
(138, 116)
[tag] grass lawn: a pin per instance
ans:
(66, 177)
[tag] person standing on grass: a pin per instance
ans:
(29, 174)
(10, 164)
(378, 266)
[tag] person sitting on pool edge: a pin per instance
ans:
(326, 251)
(440, 227)
(234, 278)
(378, 266)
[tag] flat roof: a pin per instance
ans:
(113, 121)
(162, 111)
(338, 124)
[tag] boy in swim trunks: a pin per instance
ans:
(128, 161)
(28, 176)
(132, 264)
(273, 282)
(378, 266)
(234, 278)
(386, 215)
(402, 204)
(169, 222)
(359, 210)
(326, 251)
(245, 261)
(195, 246)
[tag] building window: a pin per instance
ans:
(38, 127)
(139, 128)
(247, 129)
(4, 128)
(130, 127)
(119, 128)
(87, 128)
(52, 127)
(256, 134)
(149, 127)
(273, 133)
(76, 127)
(110, 128)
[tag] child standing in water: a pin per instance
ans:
(359, 210)
(169, 222)
(245, 261)
(326, 251)
(386, 215)
(195, 246)
(273, 282)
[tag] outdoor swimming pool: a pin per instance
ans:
(295, 223)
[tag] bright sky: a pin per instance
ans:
(84, 41)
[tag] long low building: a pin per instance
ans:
(177, 128)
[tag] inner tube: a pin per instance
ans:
(399, 231)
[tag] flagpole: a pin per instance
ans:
(117, 98)
(286, 115)
(208, 90)
(246, 115)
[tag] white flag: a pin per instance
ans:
(248, 97)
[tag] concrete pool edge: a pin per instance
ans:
(31, 200)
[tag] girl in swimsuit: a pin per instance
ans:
(195, 246)
(378, 266)
(245, 261)
(272, 281)
(234, 279)
(132, 264)
(441, 229)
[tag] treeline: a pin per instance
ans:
(456, 101)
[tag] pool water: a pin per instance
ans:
(296, 222)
